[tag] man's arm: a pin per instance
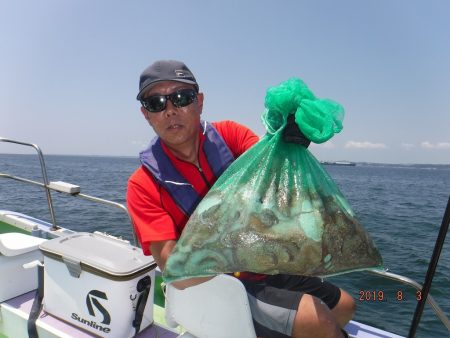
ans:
(161, 251)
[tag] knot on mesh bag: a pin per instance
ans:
(318, 119)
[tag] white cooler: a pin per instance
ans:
(97, 283)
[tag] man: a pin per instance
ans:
(179, 167)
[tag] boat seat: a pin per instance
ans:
(14, 243)
(16, 250)
(218, 308)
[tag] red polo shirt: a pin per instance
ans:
(155, 215)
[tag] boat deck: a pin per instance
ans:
(14, 314)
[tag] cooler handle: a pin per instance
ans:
(143, 286)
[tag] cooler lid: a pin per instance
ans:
(98, 254)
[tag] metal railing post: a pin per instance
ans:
(44, 176)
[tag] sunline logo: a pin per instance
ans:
(91, 299)
(91, 302)
(91, 323)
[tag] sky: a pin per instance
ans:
(69, 70)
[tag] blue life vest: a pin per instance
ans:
(154, 158)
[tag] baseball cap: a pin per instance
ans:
(165, 70)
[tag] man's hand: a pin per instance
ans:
(293, 134)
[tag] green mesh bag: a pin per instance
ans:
(275, 209)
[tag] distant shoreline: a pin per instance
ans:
(356, 163)
(344, 163)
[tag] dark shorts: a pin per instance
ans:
(274, 301)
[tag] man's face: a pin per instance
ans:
(175, 126)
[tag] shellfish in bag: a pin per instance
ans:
(275, 209)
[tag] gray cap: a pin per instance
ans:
(165, 70)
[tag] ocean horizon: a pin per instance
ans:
(321, 160)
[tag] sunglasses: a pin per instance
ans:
(180, 98)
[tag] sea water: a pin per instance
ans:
(401, 206)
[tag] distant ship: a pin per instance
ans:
(338, 163)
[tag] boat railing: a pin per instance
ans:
(44, 175)
(412, 283)
(61, 187)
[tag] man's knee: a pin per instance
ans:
(314, 319)
(344, 309)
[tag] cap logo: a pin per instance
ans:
(182, 73)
